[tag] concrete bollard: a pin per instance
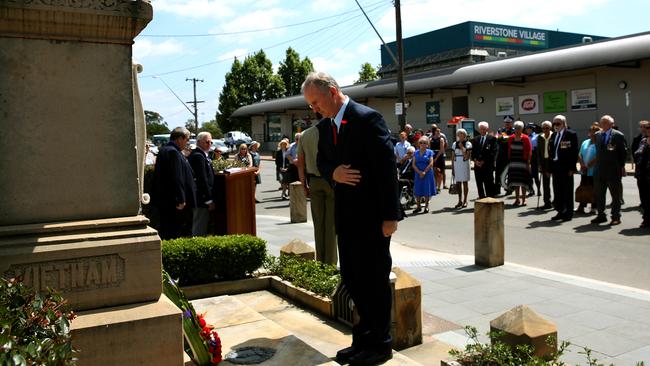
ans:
(488, 232)
(297, 203)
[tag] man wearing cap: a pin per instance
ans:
(502, 151)
(564, 157)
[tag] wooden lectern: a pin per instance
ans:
(234, 198)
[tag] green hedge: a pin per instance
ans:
(315, 276)
(207, 259)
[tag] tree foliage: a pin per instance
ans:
(293, 71)
(247, 82)
(212, 127)
(155, 124)
(367, 73)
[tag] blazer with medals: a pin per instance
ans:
(203, 176)
(363, 141)
(567, 152)
(486, 152)
(611, 155)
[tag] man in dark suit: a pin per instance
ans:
(564, 157)
(355, 154)
(204, 178)
(483, 153)
(174, 189)
(544, 161)
(611, 151)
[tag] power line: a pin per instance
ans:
(265, 48)
(253, 30)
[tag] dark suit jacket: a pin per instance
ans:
(544, 164)
(567, 152)
(173, 180)
(610, 161)
(363, 142)
(487, 152)
(203, 176)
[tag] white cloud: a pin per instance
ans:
(196, 8)
(325, 6)
(145, 48)
(258, 19)
(239, 53)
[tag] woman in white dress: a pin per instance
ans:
(460, 167)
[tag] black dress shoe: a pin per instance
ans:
(343, 356)
(557, 217)
(371, 357)
(547, 206)
(567, 218)
(599, 220)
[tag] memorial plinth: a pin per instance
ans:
(489, 247)
(70, 175)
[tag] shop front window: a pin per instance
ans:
(274, 128)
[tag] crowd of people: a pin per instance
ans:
(525, 159)
(183, 182)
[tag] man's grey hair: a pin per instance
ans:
(547, 124)
(518, 125)
(607, 118)
(203, 135)
(179, 132)
(483, 123)
(560, 118)
(321, 80)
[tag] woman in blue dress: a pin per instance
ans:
(425, 184)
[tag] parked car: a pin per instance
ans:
(221, 146)
(236, 138)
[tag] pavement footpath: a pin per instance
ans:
(611, 320)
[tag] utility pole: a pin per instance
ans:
(195, 102)
(400, 65)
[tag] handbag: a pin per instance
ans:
(453, 188)
(585, 194)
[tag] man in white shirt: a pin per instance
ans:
(401, 147)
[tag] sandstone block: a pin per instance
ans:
(488, 232)
(297, 203)
(407, 308)
(522, 325)
(299, 248)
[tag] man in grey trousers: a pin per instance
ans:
(611, 151)
(321, 194)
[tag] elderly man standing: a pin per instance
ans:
(611, 151)
(400, 147)
(483, 153)
(355, 153)
(174, 189)
(564, 157)
(321, 194)
(204, 178)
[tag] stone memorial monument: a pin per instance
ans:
(71, 152)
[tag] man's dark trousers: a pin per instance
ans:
(484, 181)
(563, 193)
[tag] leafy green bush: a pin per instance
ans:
(201, 260)
(315, 276)
(498, 353)
(34, 328)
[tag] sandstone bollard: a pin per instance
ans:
(407, 309)
(297, 203)
(299, 248)
(522, 325)
(488, 232)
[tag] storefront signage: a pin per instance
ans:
(555, 101)
(433, 112)
(529, 104)
(583, 99)
(505, 106)
(507, 35)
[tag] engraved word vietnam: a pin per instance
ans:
(72, 275)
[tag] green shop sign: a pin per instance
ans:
(555, 101)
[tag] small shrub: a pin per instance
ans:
(34, 328)
(315, 276)
(201, 260)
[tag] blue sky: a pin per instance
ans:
(200, 38)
